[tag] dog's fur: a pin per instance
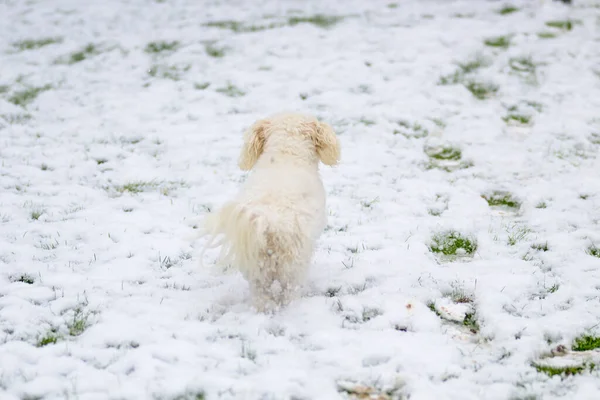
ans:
(269, 230)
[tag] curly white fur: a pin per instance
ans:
(269, 230)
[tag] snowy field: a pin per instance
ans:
(460, 257)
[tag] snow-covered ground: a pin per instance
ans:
(120, 127)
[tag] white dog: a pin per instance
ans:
(269, 230)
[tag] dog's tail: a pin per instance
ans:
(242, 231)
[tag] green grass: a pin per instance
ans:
(517, 234)
(586, 343)
(522, 64)
(201, 86)
(172, 72)
(473, 65)
(501, 199)
(508, 9)
(452, 243)
(36, 214)
(540, 246)
(213, 51)
(83, 54)
(238, 27)
(231, 91)
(161, 46)
(517, 119)
(502, 42)
(481, 90)
(320, 20)
(411, 130)
(444, 153)
(51, 337)
(470, 321)
(593, 251)
(79, 323)
(452, 79)
(541, 205)
(25, 278)
(31, 44)
(136, 186)
(563, 371)
(25, 97)
(546, 35)
(565, 25)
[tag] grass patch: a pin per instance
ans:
(563, 371)
(172, 72)
(501, 199)
(238, 27)
(16, 119)
(25, 97)
(231, 91)
(452, 243)
(79, 323)
(502, 42)
(586, 343)
(51, 337)
(320, 20)
(470, 321)
(517, 234)
(565, 25)
(481, 90)
(213, 51)
(201, 86)
(522, 64)
(508, 9)
(83, 54)
(540, 246)
(473, 65)
(31, 44)
(517, 119)
(546, 35)
(36, 214)
(444, 153)
(541, 205)
(411, 130)
(593, 251)
(136, 186)
(25, 278)
(161, 46)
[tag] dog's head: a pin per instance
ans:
(298, 135)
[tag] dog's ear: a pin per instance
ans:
(327, 143)
(254, 142)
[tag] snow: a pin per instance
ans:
(120, 166)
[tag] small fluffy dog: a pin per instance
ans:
(269, 230)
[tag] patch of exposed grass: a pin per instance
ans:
(161, 46)
(237, 26)
(172, 72)
(136, 186)
(452, 243)
(31, 44)
(474, 64)
(508, 9)
(444, 153)
(411, 130)
(83, 54)
(37, 213)
(540, 246)
(565, 25)
(79, 323)
(320, 20)
(24, 97)
(470, 321)
(51, 337)
(553, 288)
(367, 122)
(522, 64)
(502, 42)
(16, 119)
(502, 199)
(25, 278)
(481, 90)
(517, 234)
(213, 51)
(201, 86)
(231, 91)
(546, 35)
(563, 371)
(451, 79)
(593, 251)
(517, 119)
(541, 205)
(586, 343)
(594, 138)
